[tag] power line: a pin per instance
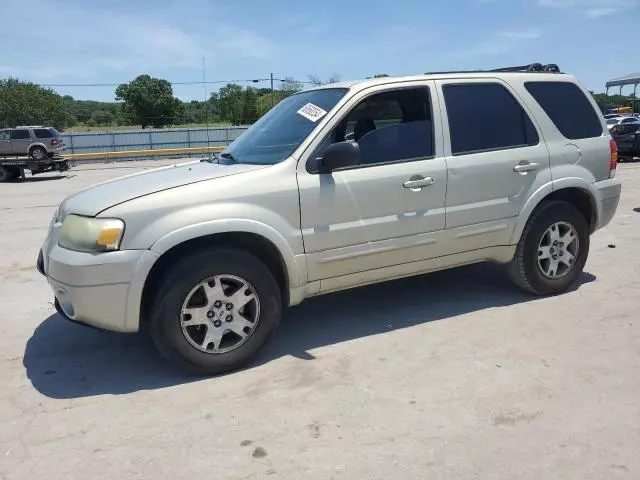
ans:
(200, 82)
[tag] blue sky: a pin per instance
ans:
(112, 41)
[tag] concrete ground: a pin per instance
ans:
(454, 375)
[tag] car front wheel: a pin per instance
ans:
(552, 250)
(215, 311)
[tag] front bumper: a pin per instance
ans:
(101, 290)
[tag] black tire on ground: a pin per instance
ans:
(524, 269)
(7, 174)
(38, 153)
(181, 278)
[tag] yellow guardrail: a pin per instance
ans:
(141, 153)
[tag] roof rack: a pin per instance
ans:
(531, 68)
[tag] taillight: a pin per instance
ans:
(613, 163)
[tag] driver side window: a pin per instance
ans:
(390, 126)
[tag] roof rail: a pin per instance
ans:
(531, 68)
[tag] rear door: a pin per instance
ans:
(496, 159)
(20, 141)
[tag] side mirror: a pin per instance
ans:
(339, 155)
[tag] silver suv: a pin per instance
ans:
(437, 171)
(37, 142)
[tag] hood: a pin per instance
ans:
(91, 201)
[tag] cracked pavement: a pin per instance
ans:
(456, 374)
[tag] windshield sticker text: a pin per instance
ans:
(312, 112)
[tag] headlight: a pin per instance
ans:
(86, 234)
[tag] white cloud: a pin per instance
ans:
(90, 41)
(505, 41)
(593, 8)
(526, 34)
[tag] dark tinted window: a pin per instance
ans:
(20, 134)
(486, 117)
(568, 108)
(43, 133)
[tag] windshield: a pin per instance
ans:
(278, 133)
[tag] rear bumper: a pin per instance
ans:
(608, 197)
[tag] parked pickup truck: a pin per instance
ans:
(336, 187)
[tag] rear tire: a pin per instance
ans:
(38, 153)
(532, 267)
(183, 337)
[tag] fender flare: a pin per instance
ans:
(543, 192)
(37, 144)
(191, 232)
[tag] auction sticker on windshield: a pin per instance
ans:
(312, 112)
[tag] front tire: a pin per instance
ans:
(215, 311)
(552, 250)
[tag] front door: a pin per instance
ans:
(386, 210)
(496, 159)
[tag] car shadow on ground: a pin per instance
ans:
(637, 209)
(64, 360)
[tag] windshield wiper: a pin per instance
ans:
(229, 156)
(211, 159)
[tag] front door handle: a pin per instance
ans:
(524, 167)
(418, 182)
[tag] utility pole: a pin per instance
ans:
(272, 94)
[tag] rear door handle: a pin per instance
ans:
(417, 183)
(524, 167)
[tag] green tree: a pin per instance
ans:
(148, 101)
(102, 117)
(230, 100)
(25, 103)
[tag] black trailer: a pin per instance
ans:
(13, 168)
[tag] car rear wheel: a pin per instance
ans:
(215, 311)
(38, 153)
(552, 250)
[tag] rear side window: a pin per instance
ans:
(20, 134)
(485, 116)
(43, 133)
(568, 108)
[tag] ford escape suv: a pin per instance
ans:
(336, 187)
